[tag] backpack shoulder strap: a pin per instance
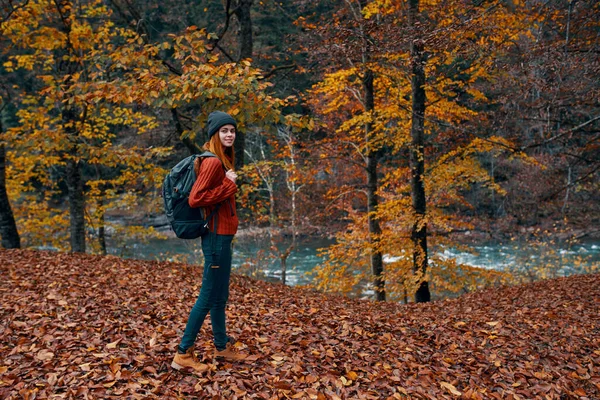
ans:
(207, 154)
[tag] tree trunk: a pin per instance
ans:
(292, 246)
(372, 198)
(75, 190)
(417, 154)
(239, 148)
(283, 260)
(245, 40)
(8, 227)
(242, 12)
(69, 115)
(272, 227)
(101, 230)
(102, 238)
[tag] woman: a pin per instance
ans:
(214, 188)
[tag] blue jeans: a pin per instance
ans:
(214, 292)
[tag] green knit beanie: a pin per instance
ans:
(216, 120)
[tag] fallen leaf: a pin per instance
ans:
(114, 344)
(352, 375)
(52, 378)
(85, 367)
(345, 351)
(450, 388)
(283, 385)
(44, 355)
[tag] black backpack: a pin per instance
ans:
(186, 222)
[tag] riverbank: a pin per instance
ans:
(527, 254)
(253, 255)
(76, 325)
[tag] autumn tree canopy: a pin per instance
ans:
(393, 126)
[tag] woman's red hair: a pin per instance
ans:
(225, 154)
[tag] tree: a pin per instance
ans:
(8, 227)
(274, 163)
(428, 68)
(119, 73)
(242, 12)
(417, 151)
(70, 117)
(66, 127)
(547, 105)
(355, 60)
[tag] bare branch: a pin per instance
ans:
(275, 69)
(573, 183)
(8, 5)
(215, 42)
(559, 135)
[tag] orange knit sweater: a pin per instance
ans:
(211, 188)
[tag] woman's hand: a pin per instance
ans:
(231, 175)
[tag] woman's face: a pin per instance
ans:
(227, 135)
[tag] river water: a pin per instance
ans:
(252, 255)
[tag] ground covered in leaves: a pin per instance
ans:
(82, 326)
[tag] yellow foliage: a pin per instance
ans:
(105, 75)
(42, 142)
(462, 46)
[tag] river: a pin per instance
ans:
(251, 254)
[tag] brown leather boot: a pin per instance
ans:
(188, 361)
(230, 353)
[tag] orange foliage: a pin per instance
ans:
(462, 43)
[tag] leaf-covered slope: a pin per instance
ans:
(77, 325)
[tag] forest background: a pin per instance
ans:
(395, 127)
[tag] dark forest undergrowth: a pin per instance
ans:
(83, 326)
